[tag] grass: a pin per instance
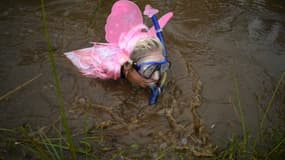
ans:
(267, 144)
(57, 84)
(269, 106)
(241, 114)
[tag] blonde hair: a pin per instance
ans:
(144, 46)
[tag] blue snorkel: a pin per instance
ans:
(159, 33)
(156, 89)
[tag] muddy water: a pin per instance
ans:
(210, 44)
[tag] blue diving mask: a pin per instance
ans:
(147, 69)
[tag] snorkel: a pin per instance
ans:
(156, 89)
(151, 13)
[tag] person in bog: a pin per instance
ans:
(132, 51)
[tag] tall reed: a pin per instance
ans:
(268, 106)
(57, 84)
(241, 114)
(247, 148)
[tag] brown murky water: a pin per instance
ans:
(209, 43)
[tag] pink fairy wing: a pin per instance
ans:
(100, 61)
(125, 15)
(162, 22)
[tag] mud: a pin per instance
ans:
(210, 44)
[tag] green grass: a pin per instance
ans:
(57, 85)
(241, 114)
(267, 144)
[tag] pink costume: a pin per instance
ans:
(123, 29)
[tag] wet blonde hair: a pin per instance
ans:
(144, 46)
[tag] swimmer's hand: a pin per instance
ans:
(134, 77)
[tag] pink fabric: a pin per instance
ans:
(162, 22)
(125, 15)
(100, 61)
(149, 11)
(123, 29)
(128, 40)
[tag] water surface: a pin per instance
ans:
(210, 44)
